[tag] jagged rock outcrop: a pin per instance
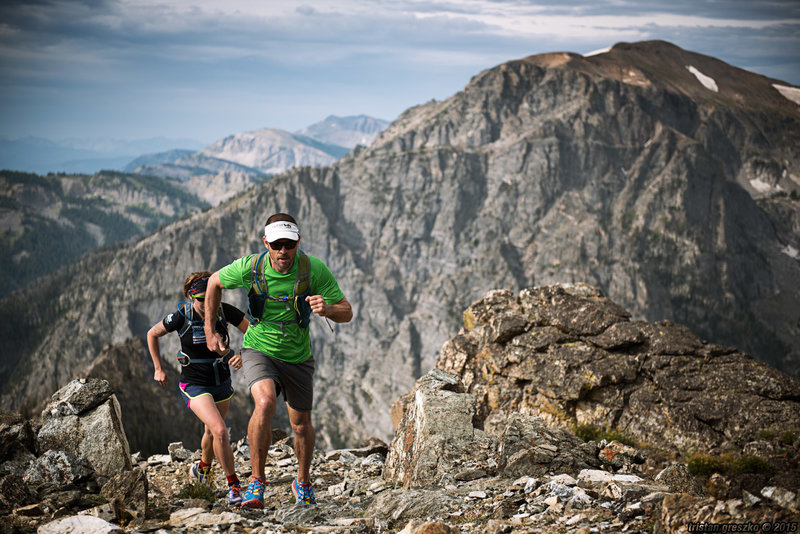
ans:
(619, 170)
(74, 456)
(571, 356)
(84, 419)
(436, 433)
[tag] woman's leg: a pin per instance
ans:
(207, 446)
(212, 415)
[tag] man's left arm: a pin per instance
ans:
(339, 312)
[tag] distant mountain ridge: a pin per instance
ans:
(346, 131)
(230, 165)
(170, 156)
(622, 170)
(321, 143)
(272, 151)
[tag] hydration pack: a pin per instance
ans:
(197, 325)
(259, 293)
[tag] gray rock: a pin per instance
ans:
(58, 468)
(17, 461)
(128, 491)
(680, 480)
(401, 506)
(528, 447)
(198, 518)
(15, 492)
(15, 434)
(77, 397)
(583, 361)
(783, 497)
(436, 429)
(96, 435)
(178, 453)
(85, 524)
(681, 509)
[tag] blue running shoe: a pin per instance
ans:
(303, 492)
(203, 475)
(234, 494)
(254, 496)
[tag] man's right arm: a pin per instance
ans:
(213, 299)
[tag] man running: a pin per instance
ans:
(276, 353)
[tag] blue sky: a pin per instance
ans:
(203, 69)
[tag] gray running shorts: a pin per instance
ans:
(296, 380)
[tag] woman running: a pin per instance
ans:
(205, 376)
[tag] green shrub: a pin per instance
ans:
(751, 464)
(788, 437)
(197, 490)
(589, 432)
(704, 465)
(766, 434)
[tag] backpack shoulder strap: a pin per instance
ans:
(185, 309)
(301, 281)
(258, 282)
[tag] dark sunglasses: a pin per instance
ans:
(288, 245)
(200, 298)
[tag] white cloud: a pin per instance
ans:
(291, 59)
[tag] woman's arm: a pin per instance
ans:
(153, 334)
(243, 325)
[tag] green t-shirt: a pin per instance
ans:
(287, 342)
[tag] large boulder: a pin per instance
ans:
(84, 418)
(437, 441)
(435, 430)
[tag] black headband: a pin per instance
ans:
(198, 286)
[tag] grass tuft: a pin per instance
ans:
(197, 490)
(589, 432)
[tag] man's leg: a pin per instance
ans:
(304, 440)
(259, 430)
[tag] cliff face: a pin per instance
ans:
(620, 170)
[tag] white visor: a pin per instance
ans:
(281, 230)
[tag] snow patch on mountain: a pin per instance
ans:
(598, 52)
(707, 81)
(791, 93)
